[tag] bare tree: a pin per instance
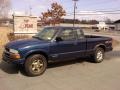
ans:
(4, 8)
(108, 21)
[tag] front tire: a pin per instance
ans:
(35, 65)
(98, 55)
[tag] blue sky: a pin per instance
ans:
(38, 6)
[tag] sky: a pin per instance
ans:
(84, 7)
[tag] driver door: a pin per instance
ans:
(64, 49)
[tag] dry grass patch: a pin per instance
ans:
(12, 36)
(4, 31)
(115, 43)
(3, 37)
(6, 35)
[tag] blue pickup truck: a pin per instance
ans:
(55, 44)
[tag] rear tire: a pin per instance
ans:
(98, 56)
(35, 65)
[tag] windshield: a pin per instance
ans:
(46, 34)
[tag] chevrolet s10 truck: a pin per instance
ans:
(55, 44)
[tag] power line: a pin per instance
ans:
(90, 14)
(107, 10)
(100, 12)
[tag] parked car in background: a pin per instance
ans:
(95, 29)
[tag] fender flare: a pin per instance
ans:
(36, 52)
(100, 45)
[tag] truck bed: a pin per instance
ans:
(93, 36)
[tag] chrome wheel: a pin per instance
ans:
(99, 55)
(37, 65)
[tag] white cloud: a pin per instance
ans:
(19, 13)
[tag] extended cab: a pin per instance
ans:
(55, 44)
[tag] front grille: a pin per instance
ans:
(6, 57)
(7, 54)
(7, 49)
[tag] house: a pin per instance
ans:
(105, 26)
(117, 25)
(102, 26)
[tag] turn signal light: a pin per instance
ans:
(15, 56)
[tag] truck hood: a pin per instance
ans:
(23, 43)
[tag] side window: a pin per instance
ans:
(80, 34)
(67, 35)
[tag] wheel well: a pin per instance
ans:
(103, 47)
(38, 52)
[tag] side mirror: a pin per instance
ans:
(58, 39)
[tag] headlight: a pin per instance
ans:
(13, 51)
(14, 54)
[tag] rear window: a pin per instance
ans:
(80, 34)
(67, 34)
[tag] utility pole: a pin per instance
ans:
(74, 11)
(13, 21)
(30, 8)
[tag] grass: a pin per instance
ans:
(12, 37)
(6, 35)
(4, 31)
(115, 43)
(3, 37)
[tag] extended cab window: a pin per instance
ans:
(67, 35)
(80, 34)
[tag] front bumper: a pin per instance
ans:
(109, 49)
(6, 57)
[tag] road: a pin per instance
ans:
(77, 74)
